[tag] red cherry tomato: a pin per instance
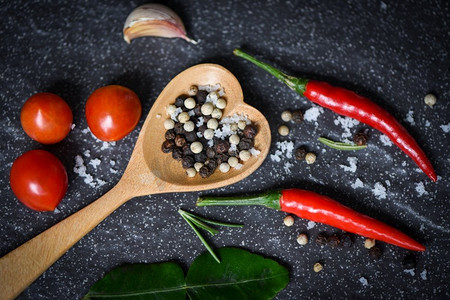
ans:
(112, 112)
(46, 118)
(39, 180)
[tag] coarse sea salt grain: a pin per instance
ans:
(95, 162)
(379, 191)
(175, 114)
(410, 117)
(347, 124)
(420, 189)
(352, 164)
(209, 88)
(446, 128)
(423, 274)
(310, 225)
(312, 114)
(254, 151)
(287, 167)
(410, 272)
(385, 140)
(363, 281)
(358, 184)
(80, 169)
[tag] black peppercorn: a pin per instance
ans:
(197, 110)
(190, 136)
(245, 144)
(211, 164)
(375, 252)
(221, 158)
(321, 239)
(178, 128)
(179, 102)
(204, 172)
(187, 150)
(409, 262)
(187, 162)
(300, 153)
(202, 128)
(200, 157)
(180, 141)
(333, 241)
(249, 131)
(297, 116)
(201, 96)
(177, 154)
(360, 138)
(346, 240)
(170, 134)
(210, 153)
(222, 146)
(167, 146)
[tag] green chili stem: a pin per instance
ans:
(202, 239)
(269, 199)
(340, 145)
(295, 83)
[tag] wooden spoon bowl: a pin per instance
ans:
(150, 171)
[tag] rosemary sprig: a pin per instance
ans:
(340, 145)
(196, 221)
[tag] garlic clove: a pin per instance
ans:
(154, 20)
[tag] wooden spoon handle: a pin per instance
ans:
(20, 267)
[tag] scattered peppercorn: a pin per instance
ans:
(302, 239)
(177, 154)
(310, 158)
(190, 136)
(179, 102)
(222, 146)
(297, 116)
(333, 241)
(318, 267)
(204, 172)
(430, 100)
(201, 97)
(178, 128)
(180, 141)
(300, 153)
(369, 243)
(360, 138)
(321, 239)
(283, 130)
(245, 144)
(346, 240)
(286, 116)
(187, 162)
(375, 252)
(170, 134)
(288, 221)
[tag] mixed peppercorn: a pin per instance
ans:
(200, 139)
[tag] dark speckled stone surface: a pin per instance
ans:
(394, 52)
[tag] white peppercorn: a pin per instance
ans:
(430, 100)
(224, 167)
(169, 124)
(212, 123)
(234, 139)
(286, 116)
(318, 267)
(208, 133)
(234, 127)
(244, 155)
(196, 147)
(189, 126)
(233, 161)
(207, 108)
(310, 158)
(288, 221)
(302, 239)
(369, 243)
(183, 117)
(197, 166)
(216, 113)
(242, 124)
(193, 90)
(221, 103)
(283, 130)
(170, 109)
(189, 103)
(190, 172)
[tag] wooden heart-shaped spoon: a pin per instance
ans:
(150, 171)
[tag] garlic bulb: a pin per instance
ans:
(154, 20)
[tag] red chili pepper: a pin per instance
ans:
(322, 209)
(350, 104)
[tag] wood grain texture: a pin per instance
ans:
(149, 171)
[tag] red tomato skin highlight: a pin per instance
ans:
(112, 112)
(39, 180)
(46, 118)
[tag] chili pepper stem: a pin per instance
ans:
(269, 199)
(295, 83)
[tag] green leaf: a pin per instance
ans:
(141, 281)
(240, 275)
